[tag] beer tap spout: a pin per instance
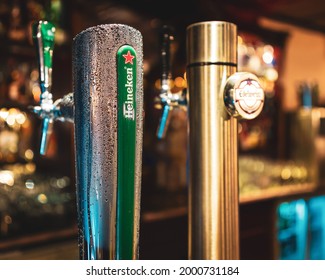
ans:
(167, 100)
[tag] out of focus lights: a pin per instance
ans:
(7, 178)
(20, 118)
(29, 184)
(30, 167)
(11, 119)
(268, 54)
(158, 84)
(36, 91)
(267, 57)
(29, 154)
(63, 182)
(4, 113)
(180, 82)
(286, 173)
(271, 74)
(42, 198)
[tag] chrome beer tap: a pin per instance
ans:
(167, 100)
(106, 108)
(218, 95)
(48, 111)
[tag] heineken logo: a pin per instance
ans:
(128, 58)
(128, 108)
(126, 64)
(249, 96)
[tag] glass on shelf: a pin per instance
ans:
(257, 174)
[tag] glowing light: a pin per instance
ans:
(36, 91)
(180, 82)
(29, 184)
(21, 118)
(63, 182)
(158, 84)
(29, 154)
(4, 113)
(30, 167)
(268, 48)
(268, 54)
(11, 120)
(267, 57)
(286, 173)
(271, 74)
(301, 208)
(42, 198)
(7, 178)
(13, 111)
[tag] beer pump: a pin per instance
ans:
(217, 95)
(107, 110)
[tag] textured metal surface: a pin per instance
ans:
(213, 201)
(95, 96)
(208, 42)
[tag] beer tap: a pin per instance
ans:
(167, 100)
(106, 108)
(48, 111)
(218, 96)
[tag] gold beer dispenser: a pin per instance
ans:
(217, 97)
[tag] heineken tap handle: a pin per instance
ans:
(63, 108)
(166, 97)
(43, 37)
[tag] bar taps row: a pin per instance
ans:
(216, 96)
(168, 100)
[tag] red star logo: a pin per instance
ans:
(128, 58)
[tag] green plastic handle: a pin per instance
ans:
(43, 37)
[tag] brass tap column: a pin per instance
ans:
(213, 190)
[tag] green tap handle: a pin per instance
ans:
(43, 37)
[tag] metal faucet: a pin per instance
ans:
(48, 111)
(107, 111)
(217, 96)
(167, 100)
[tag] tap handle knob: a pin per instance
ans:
(243, 95)
(166, 39)
(43, 37)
